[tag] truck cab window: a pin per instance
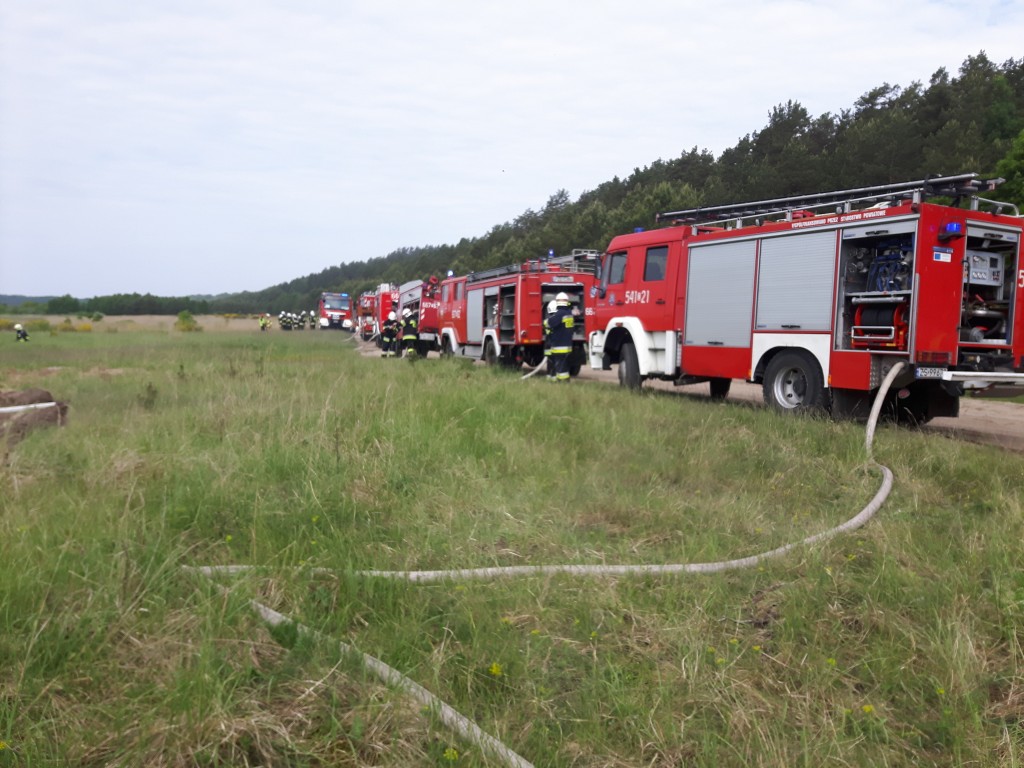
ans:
(654, 264)
(616, 268)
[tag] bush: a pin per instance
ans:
(186, 322)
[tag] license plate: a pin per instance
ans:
(929, 373)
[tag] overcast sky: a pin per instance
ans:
(214, 146)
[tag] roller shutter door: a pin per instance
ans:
(720, 294)
(794, 283)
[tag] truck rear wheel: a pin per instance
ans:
(629, 367)
(490, 353)
(720, 388)
(793, 382)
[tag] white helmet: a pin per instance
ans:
(406, 312)
(391, 315)
(552, 307)
(563, 299)
(17, 326)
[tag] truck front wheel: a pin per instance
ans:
(793, 382)
(490, 353)
(629, 367)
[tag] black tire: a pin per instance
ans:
(720, 388)
(575, 361)
(490, 353)
(446, 348)
(793, 382)
(850, 404)
(533, 356)
(629, 367)
(509, 360)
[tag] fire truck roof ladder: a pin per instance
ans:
(580, 260)
(842, 201)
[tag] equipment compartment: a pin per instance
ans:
(876, 273)
(990, 271)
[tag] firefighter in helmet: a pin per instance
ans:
(549, 366)
(410, 324)
(20, 334)
(389, 335)
(559, 327)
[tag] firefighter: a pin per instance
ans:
(389, 335)
(409, 331)
(264, 322)
(548, 364)
(20, 334)
(560, 330)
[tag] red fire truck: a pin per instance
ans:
(367, 311)
(336, 310)
(817, 297)
(385, 302)
(497, 315)
(421, 296)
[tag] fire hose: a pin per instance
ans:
(465, 727)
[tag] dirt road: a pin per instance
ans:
(991, 422)
(985, 421)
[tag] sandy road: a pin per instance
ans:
(981, 420)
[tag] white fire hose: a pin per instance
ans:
(466, 728)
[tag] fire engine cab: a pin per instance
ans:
(336, 310)
(497, 315)
(817, 297)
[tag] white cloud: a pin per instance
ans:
(195, 147)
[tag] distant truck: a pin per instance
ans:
(385, 301)
(422, 297)
(367, 323)
(336, 310)
(497, 315)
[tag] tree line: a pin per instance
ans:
(971, 121)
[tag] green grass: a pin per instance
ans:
(896, 645)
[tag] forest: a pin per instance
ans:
(969, 122)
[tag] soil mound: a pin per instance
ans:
(18, 417)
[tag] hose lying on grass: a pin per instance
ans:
(29, 407)
(467, 729)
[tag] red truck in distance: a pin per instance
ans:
(497, 315)
(336, 310)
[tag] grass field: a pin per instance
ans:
(897, 645)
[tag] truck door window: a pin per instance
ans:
(654, 264)
(616, 268)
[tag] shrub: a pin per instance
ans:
(186, 322)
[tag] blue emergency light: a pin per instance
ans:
(951, 229)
